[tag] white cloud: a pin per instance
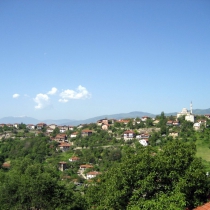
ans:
(63, 100)
(15, 95)
(53, 91)
(80, 93)
(42, 101)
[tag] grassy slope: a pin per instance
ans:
(203, 151)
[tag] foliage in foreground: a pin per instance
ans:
(171, 178)
(29, 184)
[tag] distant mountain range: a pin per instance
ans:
(30, 120)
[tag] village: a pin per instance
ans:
(66, 139)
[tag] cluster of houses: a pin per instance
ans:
(64, 145)
(82, 168)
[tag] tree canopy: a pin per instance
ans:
(152, 179)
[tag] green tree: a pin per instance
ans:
(151, 179)
(33, 185)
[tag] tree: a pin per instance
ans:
(33, 185)
(152, 179)
(55, 132)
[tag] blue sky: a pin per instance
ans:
(81, 59)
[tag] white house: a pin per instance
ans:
(92, 174)
(128, 135)
(197, 126)
(74, 135)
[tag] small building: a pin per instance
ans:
(71, 128)
(84, 167)
(123, 121)
(174, 134)
(128, 135)
(9, 125)
(40, 126)
(145, 136)
(30, 126)
(62, 166)
(63, 146)
(92, 174)
(145, 118)
(6, 165)
(207, 116)
(63, 129)
(102, 121)
(74, 159)
(169, 123)
(49, 130)
(86, 133)
(176, 123)
(61, 137)
(52, 126)
(16, 125)
(197, 126)
(74, 135)
(105, 127)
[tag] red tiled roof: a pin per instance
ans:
(6, 165)
(75, 158)
(64, 145)
(94, 173)
(86, 166)
(41, 124)
(128, 132)
(204, 207)
(61, 135)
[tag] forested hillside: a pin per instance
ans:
(104, 165)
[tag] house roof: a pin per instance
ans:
(204, 207)
(41, 124)
(6, 165)
(75, 158)
(86, 166)
(63, 144)
(61, 135)
(128, 132)
(62, 162)
(123, 121)
(93, 173)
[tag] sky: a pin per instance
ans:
(75, 59)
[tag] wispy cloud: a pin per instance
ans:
(42, 101)
(63, 100)
(16, 95)
(80, 93)
(53, 91)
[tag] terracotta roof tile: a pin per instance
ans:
(204, 207)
